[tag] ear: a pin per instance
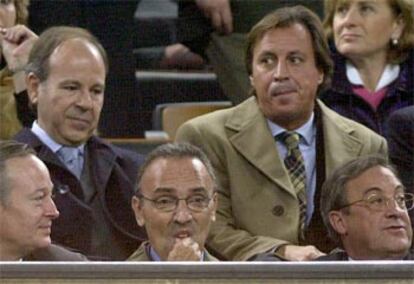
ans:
(338, 222)
(251, 81)
(398, 28)
(215, 204)
(33, 85)
(137, 208)
(321, 77)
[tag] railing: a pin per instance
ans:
(224, 272)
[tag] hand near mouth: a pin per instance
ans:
(184, 250)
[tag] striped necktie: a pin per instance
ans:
(296, 167)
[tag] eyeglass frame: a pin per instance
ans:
(387, 201)
(177, 200)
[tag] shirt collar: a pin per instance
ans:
(391, 72)
(307, 131)
(48, 141)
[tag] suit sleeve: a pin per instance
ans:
(226, 240)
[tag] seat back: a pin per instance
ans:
(169, 116)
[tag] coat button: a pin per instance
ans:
(278, 210)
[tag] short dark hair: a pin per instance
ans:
(287, 17)
(9, 150)
(51, 39)
(334, 194)
(176, 151)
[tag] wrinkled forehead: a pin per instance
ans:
(181, 175)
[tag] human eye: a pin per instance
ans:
(376, 200)
(296, 59)
(39, 197)
(198, 201)
(266, 60)
(5, 2)
(70, 87)
(165, 202)
(366, 8)
(341, 9)
(97, 91)
(400, 199)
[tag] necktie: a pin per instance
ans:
(296, 167)
(72, 159)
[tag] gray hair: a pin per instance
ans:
(176, 151)
(10, 150)
(333, 193)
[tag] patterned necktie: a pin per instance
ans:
(72, 159)
(296, 167)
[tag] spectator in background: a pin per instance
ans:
(272, 152)
(217, 29)
(16, 40)
(66, 75)
(364, 208)
(177, 231)
(373, 52)
(26, 207)
(401, 146)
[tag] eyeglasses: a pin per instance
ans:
(379, 202)
(196, 203)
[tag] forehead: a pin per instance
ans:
(377, 178)
(179, 174)
(74, 54)
(36, 175)
(349, 2)
(293, 38)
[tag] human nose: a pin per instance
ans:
(351, 17)
(85, 100)
(393, 207)
(281, 70)
(182, 213)
(50, 209)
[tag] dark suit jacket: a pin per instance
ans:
(54, 253)
(342, 255)
(113, 171)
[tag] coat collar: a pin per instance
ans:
(249, 134)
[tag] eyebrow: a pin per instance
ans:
(160, 190)
(377, 189)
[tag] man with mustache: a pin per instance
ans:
(26, 207)
(365, 209)
(94, 181)
(272, 152)
(176, 202)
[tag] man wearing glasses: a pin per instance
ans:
(175, 201)
(365, 210)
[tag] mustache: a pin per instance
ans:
(283, 87)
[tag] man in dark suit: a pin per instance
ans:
(265, 206)
(177, 231)
(94, 181)
(26, 207)
(365, 209)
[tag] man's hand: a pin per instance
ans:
(299, 253)
(16, 44)
(185, 250)
(219, 12)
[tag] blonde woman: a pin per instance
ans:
(373, 51)
(16, 41)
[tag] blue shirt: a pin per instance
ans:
(49, 142)
(307, 146)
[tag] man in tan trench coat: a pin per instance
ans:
(259, 207)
